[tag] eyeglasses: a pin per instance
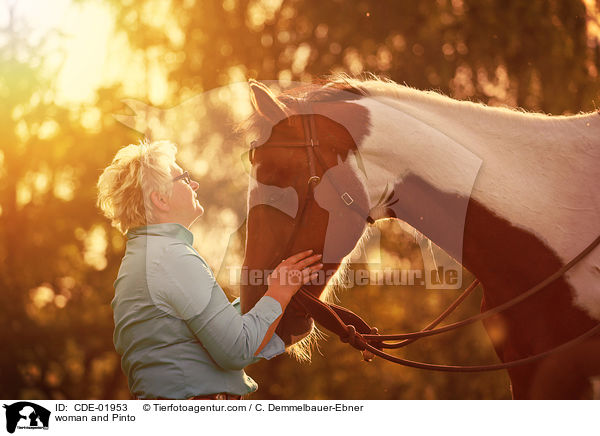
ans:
(185, 177)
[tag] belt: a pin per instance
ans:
(220, 396)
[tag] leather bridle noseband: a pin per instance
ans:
(352, 329)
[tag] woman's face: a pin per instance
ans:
(184, 205)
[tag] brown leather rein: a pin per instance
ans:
(352, 329)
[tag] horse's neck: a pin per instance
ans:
(532, 172)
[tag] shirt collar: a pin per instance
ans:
(172, 230)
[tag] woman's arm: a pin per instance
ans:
(286, 280)
(231, 339)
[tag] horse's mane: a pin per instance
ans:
(344, 87)
(371, 85)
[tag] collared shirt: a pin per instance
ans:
(176, 331)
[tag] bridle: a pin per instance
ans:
(352, 329)
(313, 156)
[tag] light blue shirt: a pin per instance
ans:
(177, 333)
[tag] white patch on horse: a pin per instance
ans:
(537, 172)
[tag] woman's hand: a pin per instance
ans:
(291, 274)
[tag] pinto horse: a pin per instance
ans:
(510, 195)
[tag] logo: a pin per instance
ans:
(26, 415)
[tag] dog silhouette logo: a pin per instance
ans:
(26, 415)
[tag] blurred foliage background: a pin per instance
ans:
(68, 66)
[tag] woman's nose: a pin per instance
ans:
(195, 185)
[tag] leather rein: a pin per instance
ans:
(352, 329)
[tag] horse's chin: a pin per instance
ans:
(293, 328)
(294, 325)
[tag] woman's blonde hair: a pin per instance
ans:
(125, 186)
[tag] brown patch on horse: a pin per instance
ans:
(508, 261)
(568, 375)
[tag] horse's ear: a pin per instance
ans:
(265, 102)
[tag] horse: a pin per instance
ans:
(508, 194)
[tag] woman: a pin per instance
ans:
(177, 334)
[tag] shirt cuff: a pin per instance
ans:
(271, 309)
(268, 307)
(274, 347)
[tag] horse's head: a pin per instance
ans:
(302, 197)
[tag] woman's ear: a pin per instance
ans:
(160, 202)
(265, 102)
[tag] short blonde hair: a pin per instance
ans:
(125, 186)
